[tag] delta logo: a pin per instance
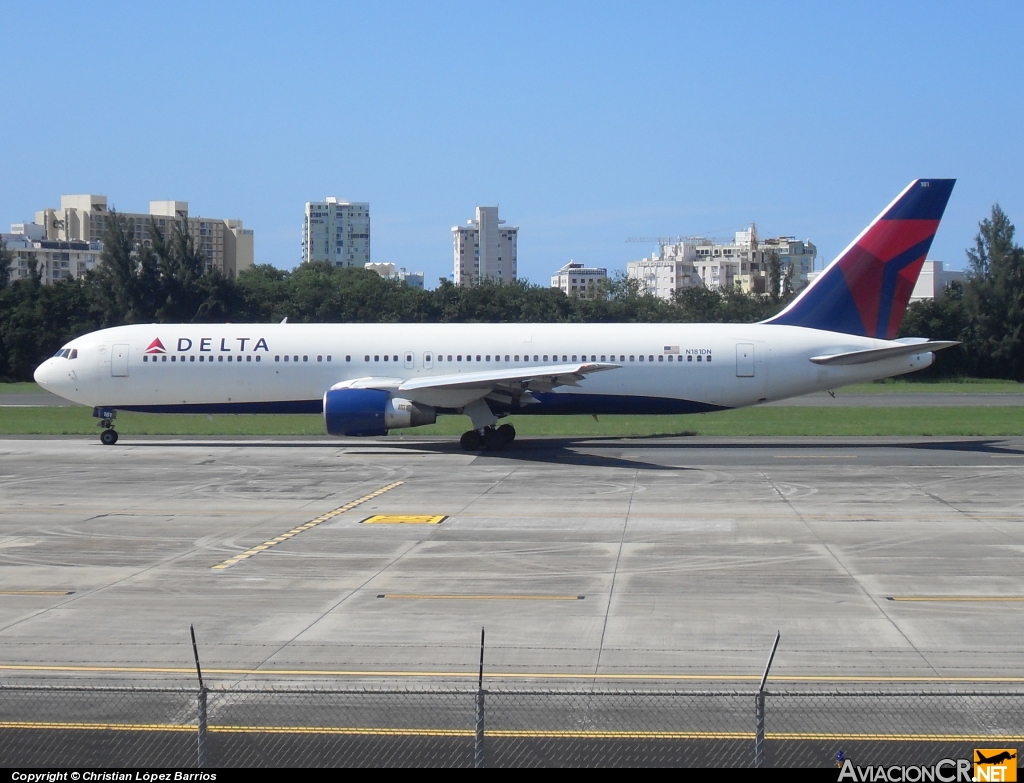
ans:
(156, 347)
(995, 764)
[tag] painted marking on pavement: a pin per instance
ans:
(37, 592)
(302, 528)
(404, 519)
(956, 598)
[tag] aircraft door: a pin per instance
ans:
(119, 360)
(410, 361)
(745, 360)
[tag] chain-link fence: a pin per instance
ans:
(244, 726)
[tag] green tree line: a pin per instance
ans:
(165, 280)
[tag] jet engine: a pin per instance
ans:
(372, 412)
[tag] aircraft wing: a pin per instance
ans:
(522, 378)
(880, 354)
(505, 385)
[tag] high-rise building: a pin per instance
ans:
(485, 249)
(337, 232)
(575, 279)
(226, 245)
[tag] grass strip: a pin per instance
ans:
(746, 421)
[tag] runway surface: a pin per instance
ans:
(664, 562)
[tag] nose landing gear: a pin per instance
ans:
(108, 435)
(488, 439)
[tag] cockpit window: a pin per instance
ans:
(74, 353)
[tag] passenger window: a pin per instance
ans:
(602, 357)
(631, 358)
(487, 357)
(574, 357)
(320, 358)
(145, 358)
(174, 358)
(248, 358)
(506, 358)
(277, 358)
(285, 358)
(689, 358)
(535, 357)
(449, 357)
(192, 358)
(304, 358)
(478, 357)
(650, 358)
(366, 358)
(565, 358)
(458, 358)
(164, 358)
(219, 358)
(709, 357)
(641, 357)
(661, 358)
(545, 357)
(257, 358)
(699, 358)
(386, 357)
(622, 358)
(395, 358)
(202, 358)
(376, 358)
(516, 357)
(347, 359)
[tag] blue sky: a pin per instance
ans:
(587, 122)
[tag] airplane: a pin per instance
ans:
(367, 379)
(1003, 756)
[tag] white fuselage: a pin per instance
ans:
(288, 367)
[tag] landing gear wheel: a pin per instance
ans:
(108, 437)
(507, 432)
(471, 441)
(493, 440)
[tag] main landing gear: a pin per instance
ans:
(108, 435)
(489, 438)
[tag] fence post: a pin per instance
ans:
(201, 739)
(759, 708)
(478, 745)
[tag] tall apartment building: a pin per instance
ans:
(575, 279)
(337, 232)
(485, 249)
(82, 218)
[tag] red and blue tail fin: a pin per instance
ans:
(866, 289)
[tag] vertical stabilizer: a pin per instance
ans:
(865, 291)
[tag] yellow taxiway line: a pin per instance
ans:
(957, 598)
(302, 528)
(510, 733)
(190, 672)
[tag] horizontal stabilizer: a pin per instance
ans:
(881, 354)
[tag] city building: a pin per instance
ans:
(666, 271)
(388, 272)
(485, 249)
(53, 259)
(575, 279)
(226, 245)
(337, 232)
(933, 279)
(719, 264)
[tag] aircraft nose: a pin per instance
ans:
(43, 373)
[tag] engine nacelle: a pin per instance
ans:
(371, 412)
